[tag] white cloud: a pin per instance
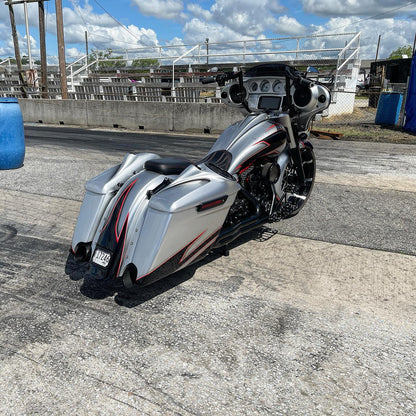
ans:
(115, 37)
(200, 13)
(251, 19)
(394, 33)
(73, 52)
(198, 30)
(18, 9)
(4, 32)
(289, 26)
(24, 48)
(7, 47)
(162, 9)
(332, 8)
(103, 31)
(85, 15)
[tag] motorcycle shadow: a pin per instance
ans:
(131, 298)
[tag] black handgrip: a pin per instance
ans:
(298, 80)
(220, 78)
(208, 80)
(304, 82)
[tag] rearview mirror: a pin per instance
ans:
(311, 69)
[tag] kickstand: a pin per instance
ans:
(225, 251)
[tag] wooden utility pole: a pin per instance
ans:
(61, 47)
(378, 47)
(16, 49)
(207, 42)
(86, 50)
(43, 62)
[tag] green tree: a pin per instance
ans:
(144, 63)
(106, 59)
(399, 52)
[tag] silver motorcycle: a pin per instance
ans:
(150, 216)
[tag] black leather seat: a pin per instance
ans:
(167, 165)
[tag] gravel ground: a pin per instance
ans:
(360, 126)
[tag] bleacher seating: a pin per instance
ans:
(156, 87)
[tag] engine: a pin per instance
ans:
(256, 196)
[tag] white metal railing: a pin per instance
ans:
(80, 70)
(7, 60)
(290, 46)
(243, 48)
(341, 62)
(173, 68)
(253, 50)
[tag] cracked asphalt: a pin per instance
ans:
(310, 316)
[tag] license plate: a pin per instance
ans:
(101, 257)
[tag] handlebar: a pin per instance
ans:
(221, 78)
(303, 82)
(207, 80)
(297, 79)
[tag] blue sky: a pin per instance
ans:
(138, 23)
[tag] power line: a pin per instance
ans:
(80, 13)
(123, 26)
(77, 8)
(111, 39)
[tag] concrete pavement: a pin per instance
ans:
(312, 316)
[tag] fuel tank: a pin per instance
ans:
(257, 135)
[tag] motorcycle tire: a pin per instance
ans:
(295, 199)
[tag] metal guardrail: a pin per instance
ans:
(259, 47)
(253, 50)
(341, 62)
(7, 60)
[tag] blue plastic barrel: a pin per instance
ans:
(388, 109)
(12, 137)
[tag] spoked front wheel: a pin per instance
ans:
(296, 194)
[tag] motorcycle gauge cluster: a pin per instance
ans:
(260, 93)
